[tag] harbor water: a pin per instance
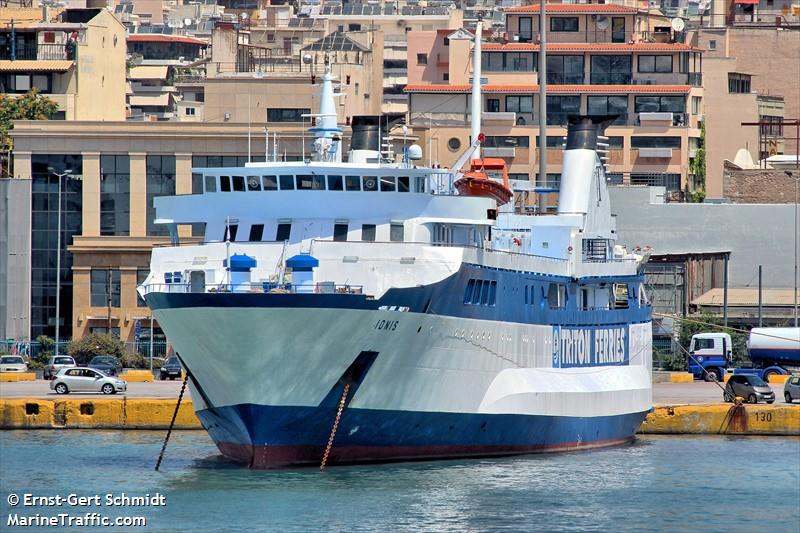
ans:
(711, 483)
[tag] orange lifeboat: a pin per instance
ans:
(477, 181)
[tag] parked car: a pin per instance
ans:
(55, 364)
(107, 364)
(172, 369)
(791, 389)
(12, 363)
(750, 387)
(82, 379)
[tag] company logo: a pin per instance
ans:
(580, 347)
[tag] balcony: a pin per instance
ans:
(662, 118)
(36, 51)
(500, 151)
(560, 78)
(695, 79)
(655, 152)
(611, 78)
(506, 117)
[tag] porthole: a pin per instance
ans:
(454, 143)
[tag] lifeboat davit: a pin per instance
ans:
(476, 181)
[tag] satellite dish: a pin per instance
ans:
(678, 24)
(602, 22)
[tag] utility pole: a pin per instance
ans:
(108, 298)
(60, 176)
(542, 104)
(760, 317)
(796, 222)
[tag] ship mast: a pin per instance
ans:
(476, 106)
(327, 133)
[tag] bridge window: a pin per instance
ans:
(420, 183)
(352, 183)
(256, 232)
(310, 182)
(238, 183)
(270, 183)
(368, 232)
(283, 233)
(335, 183)
(388, 183)
(403, 184)
(620, 296)
(225, 183)
(211, 184)
(253, 183)
(287, 183)
(557, 296)
(396, 232)
(370, 183)
(340, 232)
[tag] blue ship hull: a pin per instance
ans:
(263, 436)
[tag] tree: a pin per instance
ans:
(708, 323)
(30, 106)
(46, 349)
(698, 167)
(83, 350)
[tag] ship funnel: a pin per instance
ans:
(583, 181)
(365, 142)
(583, 131)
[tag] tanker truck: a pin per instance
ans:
(772, 351)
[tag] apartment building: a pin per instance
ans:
(71, 56)
(600, 61)
(154, 60)
(108, 228)
(248, 82)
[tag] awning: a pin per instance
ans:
(746, 2)
(35, 65)
(148, 72)
(157, 100)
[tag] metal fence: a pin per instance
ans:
(161, 348)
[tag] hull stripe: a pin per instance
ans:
(279, 456)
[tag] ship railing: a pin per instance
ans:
(321, 242)
(269, 287)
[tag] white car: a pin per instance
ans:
(12, 363)
(81, 379)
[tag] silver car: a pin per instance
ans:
(12, 363)
(56, 363)
(791, 389)
(86, 380)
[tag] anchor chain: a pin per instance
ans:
(335, 426)
(172, 423)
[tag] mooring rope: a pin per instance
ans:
(172, 422)
(335, 426)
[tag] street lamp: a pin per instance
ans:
(60, 177)
(796, 222)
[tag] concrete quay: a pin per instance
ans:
(680, 408)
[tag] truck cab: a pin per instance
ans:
(711, 354)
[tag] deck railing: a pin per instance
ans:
(270, 287)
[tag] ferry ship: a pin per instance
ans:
(376, 310)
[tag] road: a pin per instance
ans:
(663, 393)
